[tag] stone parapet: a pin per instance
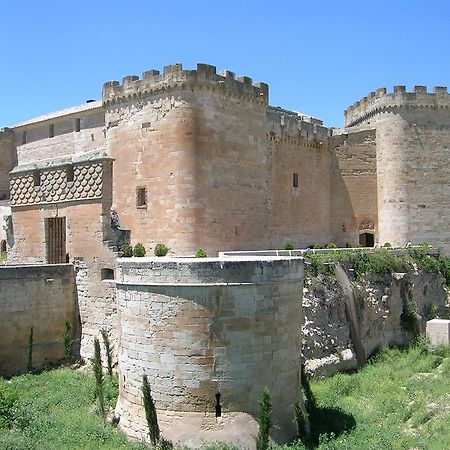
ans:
(380, 100)
(174, 78)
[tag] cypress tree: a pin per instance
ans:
(264, 421)
(150, 412)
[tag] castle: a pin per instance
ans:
(196, 159)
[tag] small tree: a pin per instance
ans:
(108, 351)
(98, 373)
(264, 421)
(30, 351)
(67, 341)
(150, 412)
(161, 250)
(127, 250)
(200, 253)
(139, 250)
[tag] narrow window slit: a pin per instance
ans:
(218, 405)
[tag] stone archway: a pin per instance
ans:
(366, 232)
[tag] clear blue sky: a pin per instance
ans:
(317, 56)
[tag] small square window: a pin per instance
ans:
(69, 173)
(51, 131)
(77, 125)
(141, 197)
(37, 178)
(295, 179)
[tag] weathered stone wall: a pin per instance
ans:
(199, 328)
(196, 142)
(34, 141)
(327, 345)
(41, 297)
(353, 185)
(298, 214)
(8, 160)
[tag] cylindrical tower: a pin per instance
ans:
(413, 168)
(210, 335)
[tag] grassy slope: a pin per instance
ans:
(401, 400)
(57, 410)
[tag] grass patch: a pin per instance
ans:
(56, 409)
(399, 400)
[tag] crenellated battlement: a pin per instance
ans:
(380, 100)
(296, 127)
(175, 78)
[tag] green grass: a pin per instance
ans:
(56, 410)
(399, 400)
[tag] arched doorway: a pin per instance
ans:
(366, 233)
(3, 247)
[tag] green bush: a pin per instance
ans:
(108, 351)
(99, 379)
(331, 245)
(408, 318)
(8, 400)
(387, 244)
(200, 253)
(289, 246)
(264, 421)
(161, 250)
(431, 311)
(127, 250)
(139, 250)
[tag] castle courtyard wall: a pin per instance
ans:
(353, 184)
(39, 297)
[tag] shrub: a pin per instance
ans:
(331, 245)
(161, 250)
(431, 311)
(200, 253)
(387, 244)
(348, 245)
(408, 318)
(139, 250)
(30, 351)
(67, 341)
(264, 421)
(150, 412)
(444, 268)
(127, 250)
(8, 400)
(289, 246)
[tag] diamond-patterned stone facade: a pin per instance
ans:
(53, 185)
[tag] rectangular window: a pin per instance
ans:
(51, 131)
(37, 178)
(24, 137)
(141, 197)
(295, 179)
(69, 173)
(77, 125)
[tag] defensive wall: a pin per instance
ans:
(38, 297)
(210, 334)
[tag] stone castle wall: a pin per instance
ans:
(353, 184)
(41, 297)
(8, 159)
(201, 328)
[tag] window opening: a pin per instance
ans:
(37, 178)
(24, 137)
(295, 179)
(3, 246)
(69, 173)
(107, 274)
(141, 197)
(51, 131)
(77, 125)
(218, 405)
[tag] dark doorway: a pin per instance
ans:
(3, 246)
(55, 240)
(366, 240)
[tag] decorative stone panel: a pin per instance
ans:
(53, 185)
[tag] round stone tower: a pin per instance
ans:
(210, 335)
(413, 154)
